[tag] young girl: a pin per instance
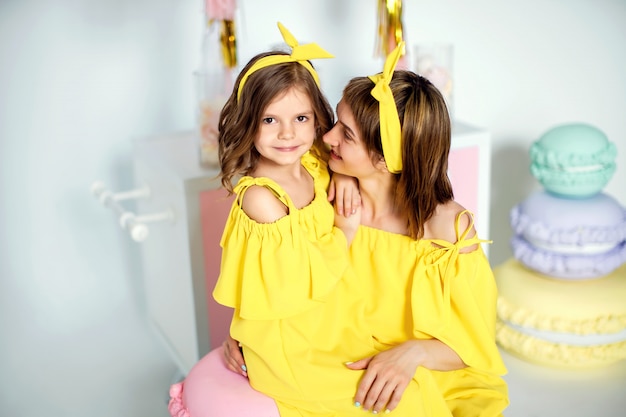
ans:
(298, 311)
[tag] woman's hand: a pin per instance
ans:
(233, 357)
(386, 377)
(389, 373)
(344, 191)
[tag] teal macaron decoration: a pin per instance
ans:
(573, 160)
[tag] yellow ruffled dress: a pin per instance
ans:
(298, 311)
(441, 294)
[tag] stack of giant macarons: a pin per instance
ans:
(562, 297)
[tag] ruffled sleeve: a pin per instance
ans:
(456, 303)
(318, 170)
(277, 270)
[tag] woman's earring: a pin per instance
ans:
(382, 165)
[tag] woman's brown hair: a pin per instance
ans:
(240, 119)
(423, 183)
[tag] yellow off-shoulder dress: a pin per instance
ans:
(416, 290)
(299, 311)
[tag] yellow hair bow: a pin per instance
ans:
(390, 130)
(299, 53)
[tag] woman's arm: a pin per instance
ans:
(388, 374)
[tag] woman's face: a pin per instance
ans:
(348, 154)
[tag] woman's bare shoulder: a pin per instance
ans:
(442, 225)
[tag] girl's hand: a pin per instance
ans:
(344, 191)
(233, 357)
(386, 377)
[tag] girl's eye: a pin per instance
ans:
(302, 118)
(268, 120)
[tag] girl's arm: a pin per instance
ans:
(349, 225)
(344, 192)
(262, 206)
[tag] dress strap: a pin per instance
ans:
(247, 182)
(449, 256)
(461, 237)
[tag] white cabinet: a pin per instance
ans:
(181, 259)
(469, 169)
(173, 256)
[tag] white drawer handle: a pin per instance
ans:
(134, 224)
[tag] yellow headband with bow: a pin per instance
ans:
(299, 53)
(390, 130)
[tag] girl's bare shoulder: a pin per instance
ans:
(262, 205)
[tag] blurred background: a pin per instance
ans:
(80, 78)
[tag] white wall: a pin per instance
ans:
(520, 68)
(79, 78)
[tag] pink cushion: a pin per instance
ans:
(210, 389)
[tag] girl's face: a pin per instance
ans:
(348, 154)
(287, 129)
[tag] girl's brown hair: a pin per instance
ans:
(423, 183)
(240, 119)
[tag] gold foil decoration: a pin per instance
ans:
(228, 42)
(389, 27)
(216, 75)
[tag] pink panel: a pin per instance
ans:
(463, 172)
(214, 208)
